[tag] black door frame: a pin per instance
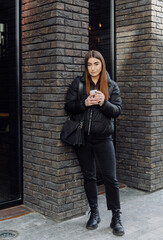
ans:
(19, 105)
(19, 93)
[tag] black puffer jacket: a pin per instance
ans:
(98, 120)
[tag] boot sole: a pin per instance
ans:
(92, 228)
(118, 234)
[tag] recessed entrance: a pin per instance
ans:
(101, 31)
(101, 38)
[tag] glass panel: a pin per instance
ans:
(10, 189)
(101, 30)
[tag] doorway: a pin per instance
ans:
(102, 39)
(10, 107)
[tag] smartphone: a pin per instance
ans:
(92, 92)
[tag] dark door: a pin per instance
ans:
(10, 110)
(101, 37)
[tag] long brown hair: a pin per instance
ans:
(103, 77)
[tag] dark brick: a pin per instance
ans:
(55, 40)
(138, 51)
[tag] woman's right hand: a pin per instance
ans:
(91, 100)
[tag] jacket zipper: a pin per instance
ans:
(90, 121)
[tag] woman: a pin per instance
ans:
(98, 110)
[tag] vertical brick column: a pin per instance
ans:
(157, 91)
(54, 42)
(139, 34)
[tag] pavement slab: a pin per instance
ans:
(142, 218)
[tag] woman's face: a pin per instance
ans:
(94, 66)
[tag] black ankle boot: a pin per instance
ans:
(94, 218)
(116, 224)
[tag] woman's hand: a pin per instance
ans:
(95, 99)
(91, 100)
(100, 97)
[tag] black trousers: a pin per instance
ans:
(103, 150)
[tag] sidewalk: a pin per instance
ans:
(142, 219)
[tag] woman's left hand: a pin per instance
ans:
(100, 97)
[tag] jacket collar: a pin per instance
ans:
(108, 77)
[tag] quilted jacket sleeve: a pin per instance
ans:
(112, 108)
(73, 104)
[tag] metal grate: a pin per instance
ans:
(8, 234)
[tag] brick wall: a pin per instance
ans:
(139, 34)
(54, 42)
(157, 90)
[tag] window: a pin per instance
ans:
(10, 111)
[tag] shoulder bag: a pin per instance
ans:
(72, 132)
